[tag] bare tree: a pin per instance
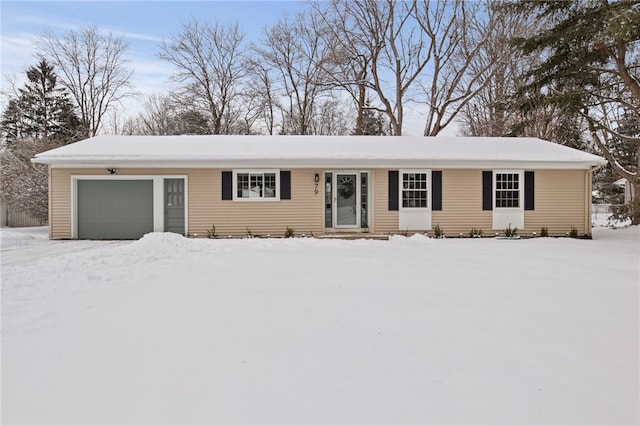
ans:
(457, 33)
(92, 67)
(386, 52)
(209, 62)
(410, 51)
(349, 61)
(332, 117)
(295, 57)
(493, 111)
(157, 116)
(24, 185)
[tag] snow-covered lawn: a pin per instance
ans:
(168, 330)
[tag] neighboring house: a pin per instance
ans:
(121, 187)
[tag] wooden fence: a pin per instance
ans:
(17, 219)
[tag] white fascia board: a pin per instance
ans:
(319, 163)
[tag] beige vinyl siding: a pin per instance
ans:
(560, 202)
(205, 206)
(461, 203)
(60, 204)
(561, 197)
(303, 212)
(384, 221)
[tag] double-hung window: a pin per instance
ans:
(256, 185)
(414, 190)
(507, 190)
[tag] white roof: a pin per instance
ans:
(315, 151)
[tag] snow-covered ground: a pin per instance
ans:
(168, 330)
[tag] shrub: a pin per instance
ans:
(211, 233)
(438, 232)
(574, 232)
(475, 233)
(544, 231)
(620, 213)
(289, 232)
(511, 232)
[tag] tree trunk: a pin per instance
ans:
(635, 196)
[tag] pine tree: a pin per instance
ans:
(591, 68)
(41, 117)
(372, 121)
(42, 111)
(13, 122)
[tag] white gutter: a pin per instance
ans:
(76, 163)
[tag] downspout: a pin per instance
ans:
(588, 184)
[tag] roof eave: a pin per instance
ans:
(75, 163)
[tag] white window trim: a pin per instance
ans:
(520, 174)
(158, 197)
(255, 199)
(504, 217)
(414, 218)
(400, 189)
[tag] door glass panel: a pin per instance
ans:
(174, 206)
(364, 199)
(346, 201)
(328, 200)
(175, 192)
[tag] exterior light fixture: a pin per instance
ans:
(316, 178)
(113, 171)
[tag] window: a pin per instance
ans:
(328, 200)
(507, 190)
(414, 190)
(364, 199)
(256, 185)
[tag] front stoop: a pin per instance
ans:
(353, 236)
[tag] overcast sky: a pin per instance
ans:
(143, 24)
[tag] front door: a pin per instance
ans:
(174, 205)
(346, 200)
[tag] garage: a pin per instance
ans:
(114, 209)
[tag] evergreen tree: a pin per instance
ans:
(41, 117)
(372, 122)
(13, 122)
(591, 68)
(43, 110)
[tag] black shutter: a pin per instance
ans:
(227, 185)
(487, 190)
(529, 191)
(393, 190)
(436, 190)
(285, 185)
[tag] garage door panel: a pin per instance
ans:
(118, 209)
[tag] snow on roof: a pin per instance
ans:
(310, 151)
